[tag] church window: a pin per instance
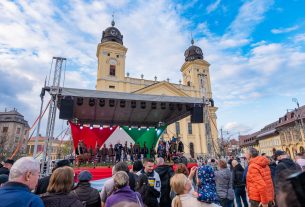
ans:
(117, 56)
(112, 70)
(177, 128)
(189, 83)
(18, 131)
(189, 128)
(5, 129)
(108, 54)
(111, 86)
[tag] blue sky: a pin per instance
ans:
(256, 49)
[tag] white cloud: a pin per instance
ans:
(284, 30)
(300, 38)
(234, 127)
(250, 14)
(212, 7)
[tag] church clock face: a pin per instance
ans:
(198, 51)
(113, 32)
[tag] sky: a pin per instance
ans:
(256, 49)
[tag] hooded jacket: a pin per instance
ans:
(165, 172)
(85, 193)
(259, 181)
(238, 181)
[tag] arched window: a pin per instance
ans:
(288, 152)
(302, 149)
(192, 152)
(112, 70)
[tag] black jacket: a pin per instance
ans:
(150, 197)
(238, 172)
(284, 168)
(60, 200)
(85, 193)
(42, 185)
(4, 170)
(165, 172)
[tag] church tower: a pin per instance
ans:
(195, 71)
(111, 54)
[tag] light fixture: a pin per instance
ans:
(156, 129)
(110, 128)
(91, 126)
(81, 126)
(139, 128)
(120, 128)
(101, 126)
(147, 129)
(129, 128)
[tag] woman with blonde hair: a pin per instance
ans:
(58, 191)
(182, 186)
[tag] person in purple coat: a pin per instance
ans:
(122, 192)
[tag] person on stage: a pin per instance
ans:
(111, 154)
(152, 153)
(144, 150)
(180, 146)
(118, 151)
(125, 151)
(137, 153)
(130, 152)
(104, 153)
(98, 154)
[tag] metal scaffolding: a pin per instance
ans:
(54, 90)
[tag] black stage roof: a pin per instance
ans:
(117, 108)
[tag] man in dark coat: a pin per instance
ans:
(6, 167)
(44, 182)
(104, 153)
(118, 151)
(285, 167)
(89, 196)
(239, 184)
(165, 172)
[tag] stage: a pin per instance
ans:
(101, 174)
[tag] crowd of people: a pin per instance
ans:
(262, 181)
(169, 150)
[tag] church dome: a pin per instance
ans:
(112, 34)
(193, 53)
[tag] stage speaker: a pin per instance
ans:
(197, 115)
(66, 109)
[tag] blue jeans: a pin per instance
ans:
(240, 192)
(224, 202)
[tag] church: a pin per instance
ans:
(111, 55)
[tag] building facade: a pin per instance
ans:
(111, 55)
(14, 133)
(285, 134)
(60, 148)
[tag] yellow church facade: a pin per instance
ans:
(111, 54)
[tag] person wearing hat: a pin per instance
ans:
(44, 182)
(84, 192)
(284, 168)
(6, 167)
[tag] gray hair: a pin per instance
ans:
(253, 152)
(160, 161)
(22, 166)
(120, 179)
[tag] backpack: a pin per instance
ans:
(83, 202)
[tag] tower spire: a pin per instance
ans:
(112, 22)
(192, 39)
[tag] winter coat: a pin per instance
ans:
(15, 194)
(223, 179)
(284, 168)
(60, 200)
(42, 185)
(150, 197)
(259, 181)
(4, 170)
(85, 193)
(301, 162)
(123, 194)
(237, 176)
(165, 172)
(153, 177)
